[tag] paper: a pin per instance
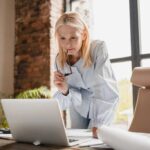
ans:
(6, 136)
(123, 140)
(101, 146)
(91, 142)
(145, 134)
(81, 133)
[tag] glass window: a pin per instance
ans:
(111, 24)
(145, 25)
(124, 112)
(83, 7)
(145, 62)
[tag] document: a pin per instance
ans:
(6, 136)
(122, 140)
(91, 142)
(83, 134)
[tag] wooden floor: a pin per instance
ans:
(12, 145)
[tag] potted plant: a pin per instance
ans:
(36, 93)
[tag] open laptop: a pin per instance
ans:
(37, 121)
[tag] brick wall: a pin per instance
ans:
(35, 46)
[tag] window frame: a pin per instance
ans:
(136, 55)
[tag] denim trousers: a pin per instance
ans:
(77, 121)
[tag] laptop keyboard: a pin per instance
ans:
(72, 140)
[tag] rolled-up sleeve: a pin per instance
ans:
(105, 92)
(74, 97)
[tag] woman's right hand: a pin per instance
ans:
(60, 82)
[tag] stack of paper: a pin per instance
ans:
(81, 134)
(123, 140)
(6, 136)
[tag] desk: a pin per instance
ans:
(12, 145)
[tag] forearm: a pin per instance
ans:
(65, 101)
(101, 112)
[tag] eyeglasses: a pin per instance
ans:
(68, 62)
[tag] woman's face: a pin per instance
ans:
(70, 40)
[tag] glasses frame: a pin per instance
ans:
(68, 62)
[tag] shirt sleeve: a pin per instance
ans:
(74, 97)
(105, 91)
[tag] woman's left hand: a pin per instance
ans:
(94, 131)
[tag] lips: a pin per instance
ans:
(70, 49)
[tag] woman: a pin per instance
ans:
(84, 77)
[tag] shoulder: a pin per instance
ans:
(96, 43)
(98, 48)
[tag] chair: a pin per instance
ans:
(141, 119)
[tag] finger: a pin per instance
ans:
(58, 76)
(94, 131)
(95, 135)
(58, 82)
(59, 79)
(59, 86)
(56, 73)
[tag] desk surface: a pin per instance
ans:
(12, 145)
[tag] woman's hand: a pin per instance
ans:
(94, 131)
(60, 82)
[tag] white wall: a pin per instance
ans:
(7, 42)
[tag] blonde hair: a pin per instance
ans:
(73, 19)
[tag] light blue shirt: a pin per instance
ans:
(93, 91)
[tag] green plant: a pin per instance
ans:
(41, 92)
(3, 122)
(36, 93)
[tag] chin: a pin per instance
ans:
(70, 53)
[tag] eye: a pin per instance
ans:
(73, 37)
(62, 38)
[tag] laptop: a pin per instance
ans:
(38, 121)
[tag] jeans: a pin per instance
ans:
(77, 121)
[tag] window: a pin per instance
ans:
(114, 28)
(125, 107)
(145, 63)
(145, 25)
(111, 26)
(124, 25)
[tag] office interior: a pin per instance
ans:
(27, 45)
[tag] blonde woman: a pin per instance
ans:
(84, 76)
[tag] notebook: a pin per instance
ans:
(38, 121)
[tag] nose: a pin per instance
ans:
(68, 44)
